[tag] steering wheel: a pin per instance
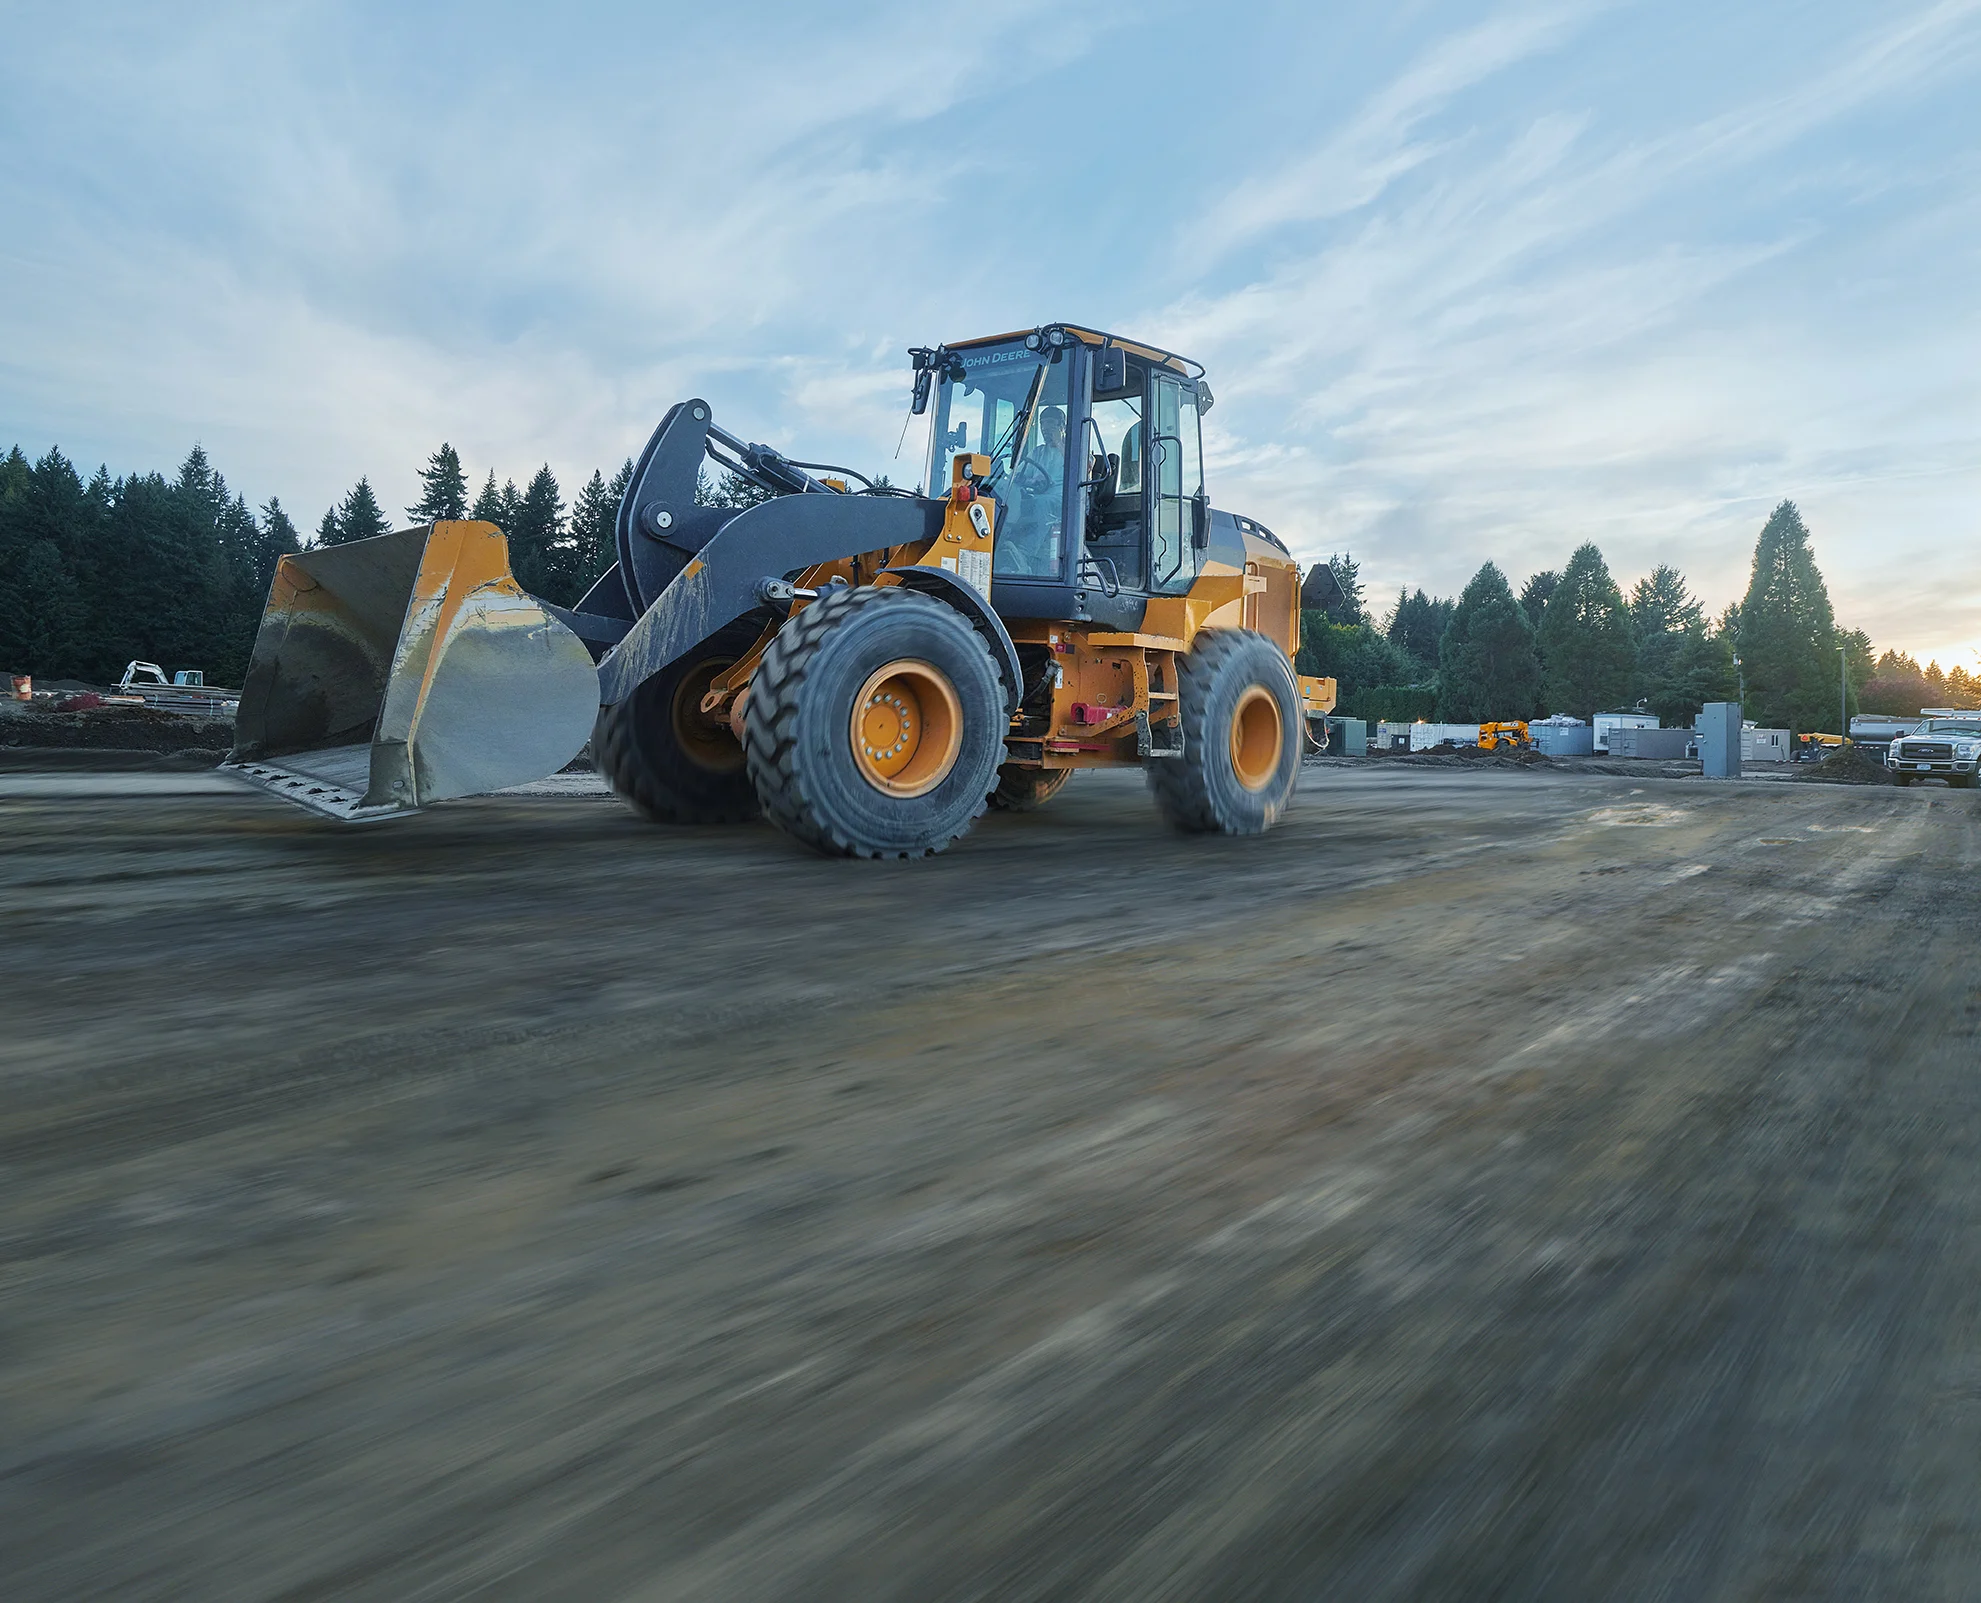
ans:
(1031, 477)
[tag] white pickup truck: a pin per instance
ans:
(1944, 747)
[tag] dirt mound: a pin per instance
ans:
(115, 728)
(1847, 765)
(1468, 757)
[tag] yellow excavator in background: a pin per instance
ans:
(866, 667)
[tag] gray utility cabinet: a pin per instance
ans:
(1662, 745)
(1348, 737)
(1719, 739)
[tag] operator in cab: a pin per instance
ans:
(1029, 540)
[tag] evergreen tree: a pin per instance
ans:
(594, 511)
(1663, 613)
(1788, 635)
(357, 517)
(1701, 671)
(1417, 624)
(1586, 644)
(278, 540)
(542, 553)
(1488, 667)
(443, 488)
(1535, 592)
(489, 505)
(40, 613)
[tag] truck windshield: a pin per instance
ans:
(1010, 405)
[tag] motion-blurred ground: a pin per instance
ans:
(1491, 1184)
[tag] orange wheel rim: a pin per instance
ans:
(1256, 737)
(907, 728)
(707, 742)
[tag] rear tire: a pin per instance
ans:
(875, 725)
(657, 750)
(1241, 749)
(1022, 789)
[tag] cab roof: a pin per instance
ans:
(1185, 365)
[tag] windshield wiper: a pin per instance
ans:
(1018, 425)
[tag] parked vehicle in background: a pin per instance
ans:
(1946, 747)
(186, 690)
(1875, 731)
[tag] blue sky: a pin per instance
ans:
(1472, 281)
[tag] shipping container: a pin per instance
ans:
(1562, 736)
(1657, 745)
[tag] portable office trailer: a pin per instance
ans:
(1607, 721)
(1765, 746)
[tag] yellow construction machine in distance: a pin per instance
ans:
(866, 667)
(1505, 736)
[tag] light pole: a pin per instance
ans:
(1843, 696)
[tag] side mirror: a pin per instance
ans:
(1200, 519)
(1110, 370)
(1205, 400)
(923, 382)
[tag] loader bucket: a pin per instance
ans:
(402, 670)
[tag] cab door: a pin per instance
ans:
(1176, 483)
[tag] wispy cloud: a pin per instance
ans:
(1547, 334)
(1474, 280)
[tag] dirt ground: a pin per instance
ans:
(1492, 1184)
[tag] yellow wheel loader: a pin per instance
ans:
(866, 667)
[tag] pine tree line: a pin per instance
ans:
(176, 571)
(555, 552)
(1572, 642)
(95, 574)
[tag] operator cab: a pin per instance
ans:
(1097, 466)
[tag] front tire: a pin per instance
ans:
(1022, 789)
(1241, 750)
(875, 725)
(658, 751)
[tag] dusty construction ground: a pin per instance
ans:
(1489, 1185)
